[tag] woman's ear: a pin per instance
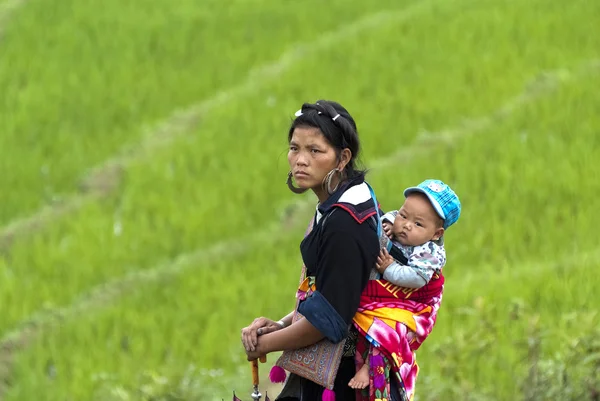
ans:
(345, 157)
(438, 234)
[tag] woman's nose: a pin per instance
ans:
(301, 160)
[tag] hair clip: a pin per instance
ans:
(299, 113)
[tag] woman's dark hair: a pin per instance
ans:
(338, 128)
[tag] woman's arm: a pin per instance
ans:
(298, 335)
(287, 319)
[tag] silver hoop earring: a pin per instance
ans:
(327, 181)
(291, 186)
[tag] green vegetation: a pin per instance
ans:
(154, 133)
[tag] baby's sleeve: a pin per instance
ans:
(403, 276)
(427, 259)
(389, 216)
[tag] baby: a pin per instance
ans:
(416, 252)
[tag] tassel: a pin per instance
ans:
(277, 374)
(328, 395)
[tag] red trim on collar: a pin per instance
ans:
(352, 213)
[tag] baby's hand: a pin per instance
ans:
(383, 261)
(387, 229)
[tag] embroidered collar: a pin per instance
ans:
(354, 197)
(335, 197)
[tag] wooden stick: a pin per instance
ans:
(255, 372)
(263, 359)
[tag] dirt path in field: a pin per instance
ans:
(99, 184)
(20, 338)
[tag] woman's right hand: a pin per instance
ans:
(259, 326)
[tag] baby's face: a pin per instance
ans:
(417, 222)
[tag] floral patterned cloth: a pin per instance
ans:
(393, 322)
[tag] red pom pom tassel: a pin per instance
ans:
(277, 374)
(328, 395)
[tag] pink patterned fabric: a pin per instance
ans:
(394, 322)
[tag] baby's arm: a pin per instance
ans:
(425, 260)
(403, 276)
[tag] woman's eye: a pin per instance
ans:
(293, 148)
(315, 150)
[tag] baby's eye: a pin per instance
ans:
(418, 224)
(403, 215)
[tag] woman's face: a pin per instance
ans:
(311, 157)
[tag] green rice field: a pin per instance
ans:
(144, 216)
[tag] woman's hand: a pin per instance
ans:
(252, 355)
(259, 326)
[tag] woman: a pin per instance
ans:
(339, 251)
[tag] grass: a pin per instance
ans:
(494, 97)
(104, 74)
